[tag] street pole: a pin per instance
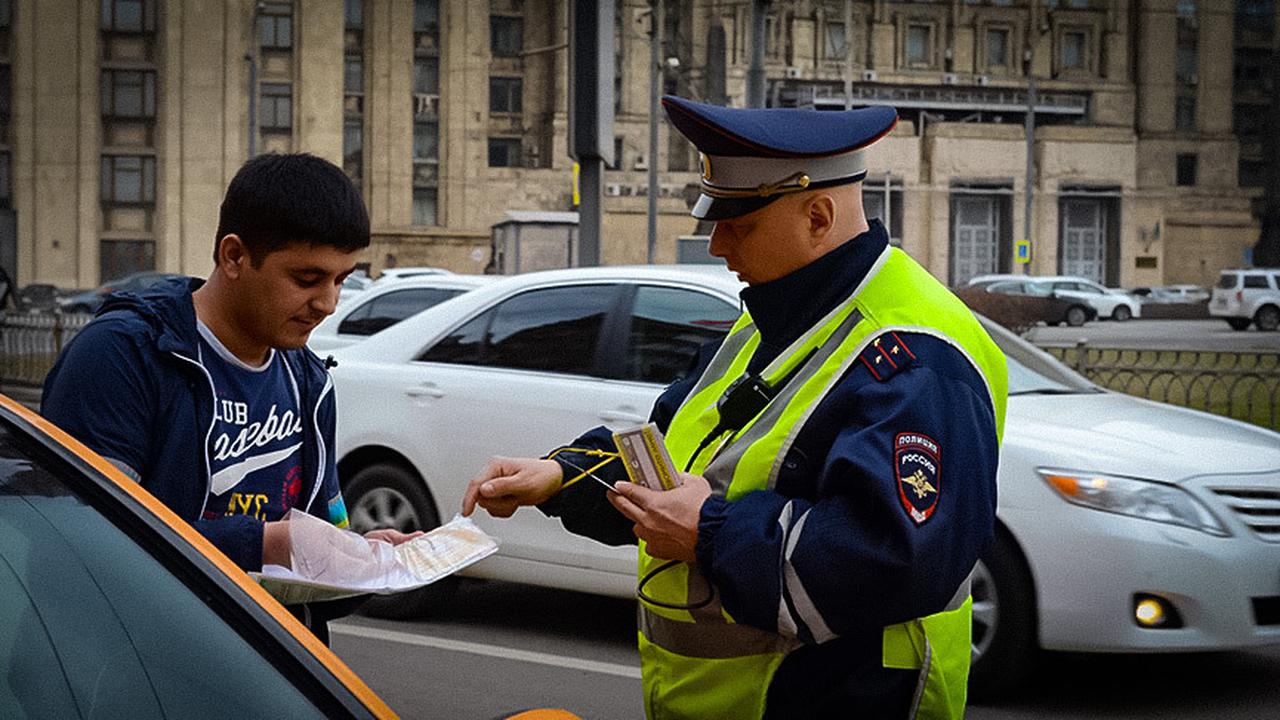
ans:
(848, 55)
(1030, 130)
(755, 73)
(657, 21)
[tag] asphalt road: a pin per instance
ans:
(1162, 334)
(497, 648)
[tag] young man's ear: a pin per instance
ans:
(233, 256)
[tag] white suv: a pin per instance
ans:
(1244, 297)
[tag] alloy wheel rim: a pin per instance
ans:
(985, 606)
(384, 508)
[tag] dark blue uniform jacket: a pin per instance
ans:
(864, 561)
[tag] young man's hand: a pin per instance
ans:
(666, 520)
(506, 484)
(393, 536)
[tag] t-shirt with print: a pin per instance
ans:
(255, 447)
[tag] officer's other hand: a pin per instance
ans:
(391, 535)
(506, 484)
(666, 520)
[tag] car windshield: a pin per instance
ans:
(1033, 371)
(94, 625)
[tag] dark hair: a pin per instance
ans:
(278, 199)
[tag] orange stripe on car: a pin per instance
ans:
(335, 665)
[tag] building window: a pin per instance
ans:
(119, 258)
(128, 16)
(919, 45)
(276, 26)
(353, 75)
(6, 198)
(424, 206)
(426, 75)
(1187, 169)
(277, 106)
(1185, 113)
(426, 16)
(353, 148)
(882, 199)
(836, 46)
(6, 95)
(426, 141)
(1074, 49)
(506, 35)
(353, 14)
(505, 94)
(6, 13)
(504, 152)
(128, 94)
(129, 179)
(997, 47)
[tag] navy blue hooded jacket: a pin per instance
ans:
(129, 387)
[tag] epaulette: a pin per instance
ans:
(886, 356)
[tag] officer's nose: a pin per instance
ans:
(720, 238)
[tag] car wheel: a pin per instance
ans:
(1121, 313)
(1239, 323)
(388, 495)
(1005, 648)
(1076, 316)
(1267, 318)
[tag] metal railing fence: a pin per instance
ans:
(30, 343)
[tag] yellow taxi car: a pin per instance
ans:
(112, 606)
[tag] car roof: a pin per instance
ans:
(411, 334)
(153, 513)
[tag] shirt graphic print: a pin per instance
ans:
(255, 447)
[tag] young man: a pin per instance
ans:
(839, 449)
(205, 393)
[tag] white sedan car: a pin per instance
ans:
(1112, 303)
(386, 303)
(1124, 525)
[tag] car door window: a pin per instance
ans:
(390, 308)
(94, 626)
(1255, 281)
(551, 329)
(668, 325)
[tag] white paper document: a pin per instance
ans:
(330, 563)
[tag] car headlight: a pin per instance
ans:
(1146, 499)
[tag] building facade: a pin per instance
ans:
(121, 122)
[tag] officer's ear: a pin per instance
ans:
(821, 214)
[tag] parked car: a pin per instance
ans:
(354, 284)
(37, 297)
(386, 304)
(1245, 297)
(88, 301)
(1050, 308)
(400, 273)
(112, 606)
(1123, 525)
(1172, 294)
(1113, 303)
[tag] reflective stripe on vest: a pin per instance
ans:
(699, 662)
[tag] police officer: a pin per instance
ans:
(839, 448)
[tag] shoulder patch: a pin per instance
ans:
(917, 466)
(886, 355)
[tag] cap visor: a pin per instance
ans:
(709, 208)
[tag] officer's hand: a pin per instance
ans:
(666, 520)
(505, 484)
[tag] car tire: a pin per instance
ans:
(1239, 323)
(390, 495)
(1076, 316)
(1121, 313)
(1005, 644)
(1267, 318)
